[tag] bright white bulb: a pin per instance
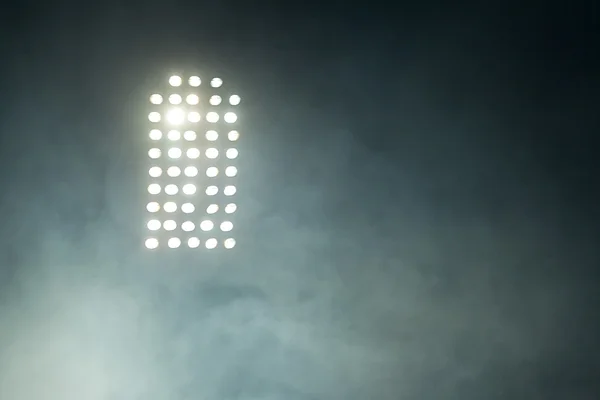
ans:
(188, 226)
(194, 117)
(212, 117)
(153, 207)
(215, 100)
(234, 100)
(233, 136)
(230, 117)
(226, 226)
(174, 135)
(154, 188)
(170, 207)
(189, 135)
(187, 208)
(154, 116)
(194, 81)
(175, 81)
(190, 172)
(212, 153)
(211, 243)
(206, 225)
(231, 171)
(153, 225)
(193, 153)
(156, 99)
(216, 82)
(174, 171)
(231, 153)
(154, 153)
(174, 152)
(174, 242)
(175, 116)
(192, 99)
(171, 189)
(212, 190)
(212, 209)
(193, 242)
(175, 99)
(170, 225)
(151, 243)
(155, 134)
(230, 208)
(211, 172)
(229, 190)
(211, 135)
(229, 243)
(155, 172)
(189, 189)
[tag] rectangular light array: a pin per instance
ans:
(193, 165)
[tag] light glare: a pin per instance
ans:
(211, 172)
(155, 134)
(174, 152)
(187, 208)
(211, 135)
(155, 172)
(173, 171)
(194, 117)
(174, 242)
(151, 243)
(153, 207)
(192, 99)
(175, 81)
(189, 135)
(212, 153)
(174, 135)
(233, 136)
(175, 99)
(156, 99)
(211, 243)
(175, 116)
(171, 189)
(229, 190)
(190, 172)
(194, 81)
(231, 153)
(212, 117)
(230, 117)
(154, 116)
(154, 153)
(231, 171)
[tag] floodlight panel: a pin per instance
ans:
(192, 168)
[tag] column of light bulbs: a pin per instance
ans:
(192, 172)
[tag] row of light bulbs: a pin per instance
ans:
(190, 189)
(188, 208)
(192, 153)
(177, 116)
(174, 135)
(193, 243)
(191, 172)
(194, 81)
(193, 99)
(188, 226)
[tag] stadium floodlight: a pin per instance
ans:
(192, 165)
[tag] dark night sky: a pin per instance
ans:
(419, 205)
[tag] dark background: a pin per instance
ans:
(419, 203)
